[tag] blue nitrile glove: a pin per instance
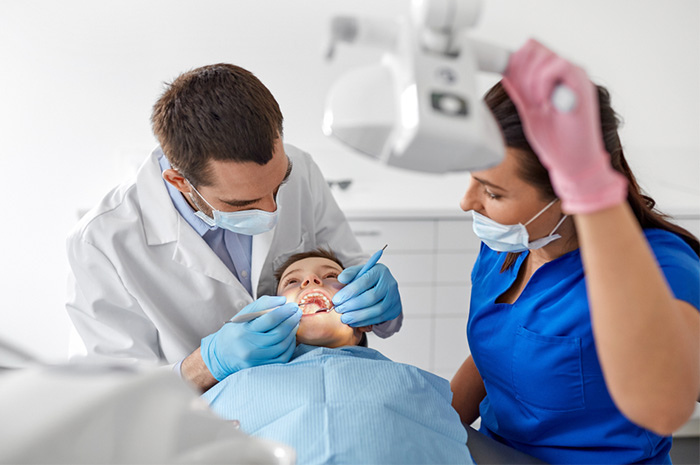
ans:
(372, 299)
(270, 338)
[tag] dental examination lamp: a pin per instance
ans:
(418, 109)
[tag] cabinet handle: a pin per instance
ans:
(368, 233)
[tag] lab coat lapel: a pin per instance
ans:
(160, 218)
(193, 252)
(261, 247)
(163, 224)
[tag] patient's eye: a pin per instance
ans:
(332, 275)
(289, 282)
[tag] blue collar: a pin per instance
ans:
(181, 205)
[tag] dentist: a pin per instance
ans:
(583, 323)
(164, 260)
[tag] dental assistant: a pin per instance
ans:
(583, 326)
(165, 259)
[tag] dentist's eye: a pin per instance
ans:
(491, 195)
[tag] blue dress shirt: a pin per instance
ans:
(233, 249)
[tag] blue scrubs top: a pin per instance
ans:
(546, 394)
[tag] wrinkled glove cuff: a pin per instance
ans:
(208, 351)
(593, 190)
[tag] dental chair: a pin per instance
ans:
(84, 414)
(485, 450)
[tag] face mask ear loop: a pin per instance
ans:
(200, 196)
(558, 224)
(541, 211)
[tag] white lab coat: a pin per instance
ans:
(146, 287)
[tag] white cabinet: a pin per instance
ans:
(402, 236)
(691, 223)
(432, 259)
(456, 235)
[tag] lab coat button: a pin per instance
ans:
(244, 273)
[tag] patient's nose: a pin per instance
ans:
(311, 279)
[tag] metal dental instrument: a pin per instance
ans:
(246, 317)
(371, 262)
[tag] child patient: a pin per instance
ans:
(335, 401)
(311, 280)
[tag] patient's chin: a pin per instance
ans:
(319, 331)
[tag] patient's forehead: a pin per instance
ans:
(311, 265)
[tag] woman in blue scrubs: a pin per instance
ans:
(583, 325)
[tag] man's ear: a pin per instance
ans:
(177, 180)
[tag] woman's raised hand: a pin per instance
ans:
(568, 143)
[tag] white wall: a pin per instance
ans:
(78, 78)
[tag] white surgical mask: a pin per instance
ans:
(511, 237)
(247, 222)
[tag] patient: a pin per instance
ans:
(334, 401)
(310, 280)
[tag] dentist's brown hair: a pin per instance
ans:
(219, 112)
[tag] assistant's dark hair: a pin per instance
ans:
(320, 253)
(219, 112)
(532, 171)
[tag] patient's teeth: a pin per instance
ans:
(316, 295)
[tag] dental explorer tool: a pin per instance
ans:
(246, 317)
(371, 262)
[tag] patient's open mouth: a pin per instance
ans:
(315, 302)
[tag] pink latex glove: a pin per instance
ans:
(569, 144)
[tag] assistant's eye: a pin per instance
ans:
(491, 195)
